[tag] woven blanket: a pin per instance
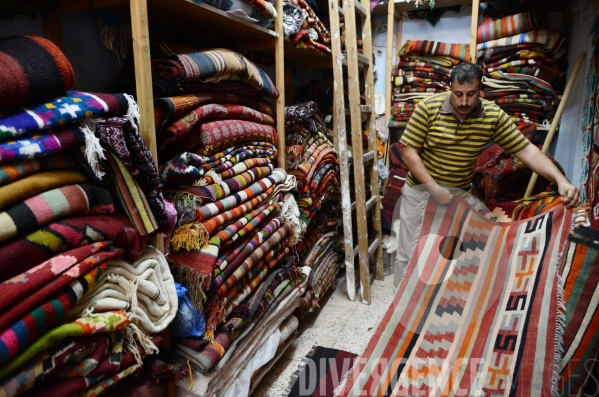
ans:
(123, 137)
(190, 198)
(144, 288)
(188, 168)
(75, 364)
(237, 169)
(549, 40)
(589, 178)
(87, 325)
(580, 280)
(321, 278)
(73, 200)
(29, 290)
(133, 200)
(21, 254)
(179, 129)
(36, 322)
(32, 69)
(511, 25)
(435, 49)
(10, 172)
(529, 82)
(38, 145)
(477, 309)
(218, 135)
(73, 107)
(211, 383)
(214, 65)
(37, 183)
(167, 110)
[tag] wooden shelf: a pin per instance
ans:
(404, 6)
(299, 58)
(189, 16)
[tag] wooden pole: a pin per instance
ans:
(474, 30)
(280, 77)
(558, 116)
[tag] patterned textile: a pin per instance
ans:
(511, 25)
(123, 137)
(74, 106)
(167, 110)
(10, 172)
(218, 135)
(589, 178)
(311, 24)
(31, 69)
(321, 372)
(155, 303)
(520, 80)
(436, 48)
(549, 40)
(178, 130)
(29, 290)
(187, 168)
(37, 183)
(397, 179)
(525, 208)
(21, 254)
(580, 281)
(131, 197)
(214, 65)
(28, 215)
(87, 325)
(488, 293)
(32, 324)
(190, 198)
(38, 145)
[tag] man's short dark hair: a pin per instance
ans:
(466, 72)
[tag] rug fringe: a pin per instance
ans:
(560, 323)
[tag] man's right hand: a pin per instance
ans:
(441, 194)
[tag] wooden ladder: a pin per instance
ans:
(359, 70)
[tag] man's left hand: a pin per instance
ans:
(570, 194)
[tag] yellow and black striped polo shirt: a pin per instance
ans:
(449, 148)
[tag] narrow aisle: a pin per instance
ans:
(339, 324)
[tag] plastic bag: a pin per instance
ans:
(188, 321)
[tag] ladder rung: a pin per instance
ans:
(373, 247)
(363, 59)
(368, 156)
(370, 203)
(353, 206)
(341, 12)
(363, 109)
(360, 9)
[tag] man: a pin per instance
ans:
(442, 142)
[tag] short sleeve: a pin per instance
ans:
(416, 131)
(507, 135)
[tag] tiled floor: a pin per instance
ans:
(334, 325)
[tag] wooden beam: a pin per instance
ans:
(280, 81)
(52, 27)
(474, 30)
(340, 137)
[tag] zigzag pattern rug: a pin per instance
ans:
(475, 314)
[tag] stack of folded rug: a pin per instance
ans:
(71, 319)
(423, 69)
(303, 27)
(310, 156)
(524, 64)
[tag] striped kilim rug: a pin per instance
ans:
(475, 314)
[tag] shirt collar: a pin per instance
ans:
(447, 108)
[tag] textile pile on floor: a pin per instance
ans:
(303, 27)
(524, 64)
(423, 69)
(311, 158)
(475, 313)
(82, 297)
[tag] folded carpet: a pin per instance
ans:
(31, 69)
(10, 172)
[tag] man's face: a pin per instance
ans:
(464, 97)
